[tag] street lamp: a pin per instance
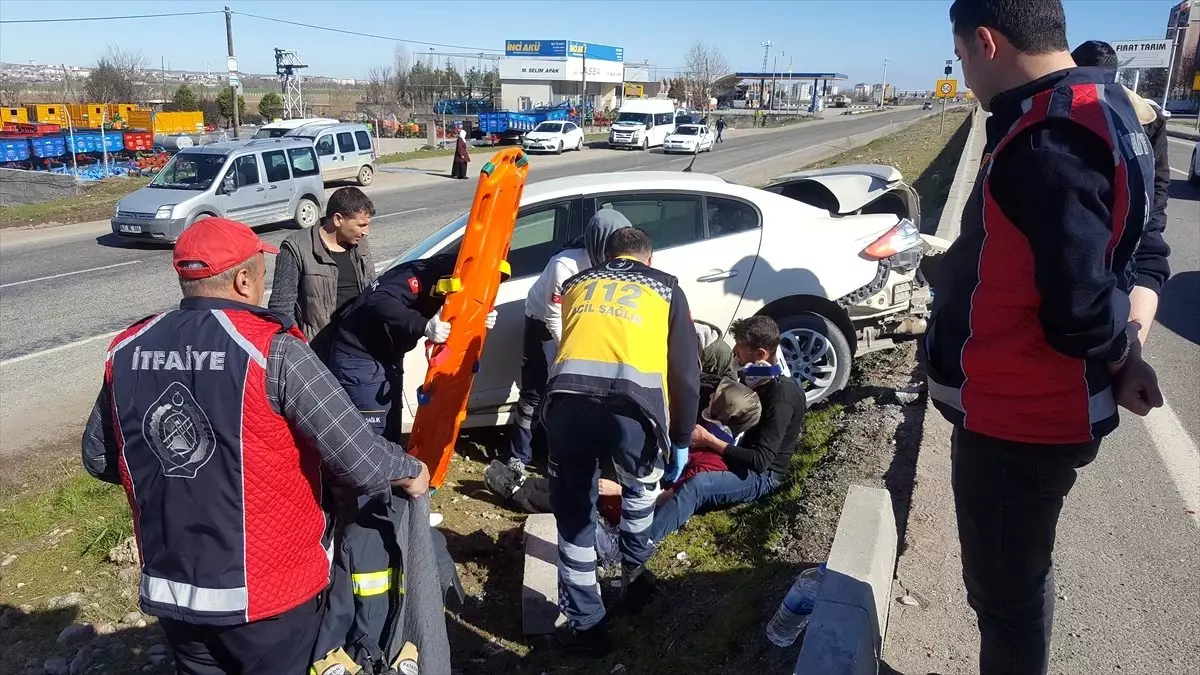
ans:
(883, 88)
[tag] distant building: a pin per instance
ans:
(1183, 26)
(862, 89)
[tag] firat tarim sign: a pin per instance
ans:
(1143, 54)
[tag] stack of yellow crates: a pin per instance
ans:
(19, 115)
(48, 113)
(87, 115)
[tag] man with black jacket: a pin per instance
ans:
(1152, 253)
(759, 462)
(1030, 349)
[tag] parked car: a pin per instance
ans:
(831, 255)
(346, 151)
(257, 182)
(642, 123)
(927, 105)
(281, 128)
(1194, 167)
(554, 136)
(692, 138)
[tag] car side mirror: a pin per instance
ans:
(229, 185)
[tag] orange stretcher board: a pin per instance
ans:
(470, 295)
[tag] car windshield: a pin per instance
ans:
(634, 118)
(433, 241)
(189, 171)
(687, 131)
(270, 133)
(549, 127)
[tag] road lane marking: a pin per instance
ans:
(1180, 141)
(1181, 173)
(68, 274)
(1179, 455)
(108, 336)
(401, 213)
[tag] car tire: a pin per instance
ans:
(817, 353)
(579, 145)
(645, 145)
(308, 213)
(558, 151)
(1193, 177)
(365, 175)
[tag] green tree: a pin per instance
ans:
(271, 106)
(184, 99)
(225, 104)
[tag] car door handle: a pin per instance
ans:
(273, 187)
(260, 189)
(718, 276)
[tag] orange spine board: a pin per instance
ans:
(442, 401)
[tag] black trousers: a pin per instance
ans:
(1007, 497)
(458, 169)
(280, 645)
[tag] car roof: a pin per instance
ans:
(697, 125)
(594, 183)
(299, 122)
(226, 147)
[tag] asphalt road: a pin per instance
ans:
(1126, 561)
(65, 290)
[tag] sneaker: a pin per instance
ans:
(500, 479)
(594, 642)
(516, 466)
(637, 590)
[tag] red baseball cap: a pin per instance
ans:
(213, 245)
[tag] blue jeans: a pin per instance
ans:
(708, 490)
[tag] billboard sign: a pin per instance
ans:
(1143, 54)
(551, 48)
(533, 69)
(558, 49)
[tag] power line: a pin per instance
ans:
(366, 35)
(109, 18)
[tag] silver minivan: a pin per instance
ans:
(345, 151)
(256, 182)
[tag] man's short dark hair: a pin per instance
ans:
(628, 241)
(756, 332)
(349, 202)
(1032, 26)
(1095, 53)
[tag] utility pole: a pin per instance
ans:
(774, 81)
(583, 98)
(762, 83)
(233, 95)
(883, 89)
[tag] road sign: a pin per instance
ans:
(1143, 53)
(946, 89)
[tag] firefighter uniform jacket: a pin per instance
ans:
(225, 506)
(628, 333)
(1033, 297)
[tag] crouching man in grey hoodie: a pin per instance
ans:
(543, 326)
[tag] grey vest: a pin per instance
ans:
(317, 295)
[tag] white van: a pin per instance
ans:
(642, 123)
(277, 129)
(345, 150)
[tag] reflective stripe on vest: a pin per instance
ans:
(1101, 405)
(373, 583)
(179, 594)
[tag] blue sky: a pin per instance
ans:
(846, 36)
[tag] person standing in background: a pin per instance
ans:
(321, 270)
(461, 157)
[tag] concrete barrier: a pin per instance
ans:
(845, 635)
(31, 187)
(964, 177)
(539, 592)
(1182, 134)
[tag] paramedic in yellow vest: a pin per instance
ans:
(625, 385)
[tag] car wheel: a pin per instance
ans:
(579, 145)
(646, 145)
(817, 353)
(365, 176)
(558, 151)
(307, 213)
(1193, 177)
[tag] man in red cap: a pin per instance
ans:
(218, 420)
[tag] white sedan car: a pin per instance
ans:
(1194, 167)
(832, 256)
(690, 138)
(554, 137)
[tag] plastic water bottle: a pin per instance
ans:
(791, 618)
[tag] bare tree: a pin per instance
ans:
(402, 81)
(10, 91)
(379, 86)
(703, 65)
(115, 77)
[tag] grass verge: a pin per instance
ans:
(94, 202)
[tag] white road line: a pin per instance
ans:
(68, 274)
(1179, 454)
(1181, 173)
(1180, 141)
(401, 213)
(108, 336)
(772, 158)
(60, 348)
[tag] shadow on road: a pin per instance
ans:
(1181, 189)
(1178, 310)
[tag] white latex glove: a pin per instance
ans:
(437, 331)
(490, 321)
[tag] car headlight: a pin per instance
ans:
(164, 212)
(117, 210)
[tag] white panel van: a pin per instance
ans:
(642, 123)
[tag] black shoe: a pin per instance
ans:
(637, 590)
(594, 642)
(501, 480)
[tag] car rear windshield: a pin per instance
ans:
(189, 171)
(687, 131)
(549, 127)
(635, 118)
